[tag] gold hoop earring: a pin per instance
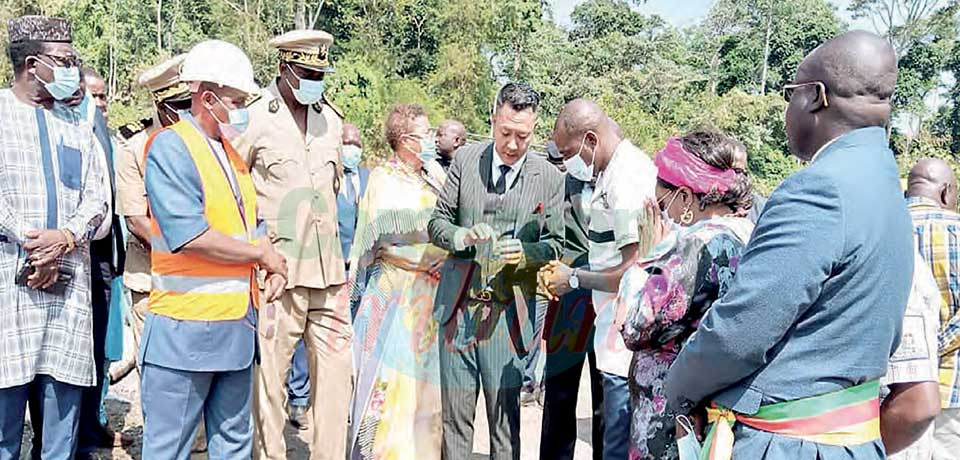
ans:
(687, 217)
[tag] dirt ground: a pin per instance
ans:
(123, 409)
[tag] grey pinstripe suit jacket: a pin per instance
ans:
(461, 206)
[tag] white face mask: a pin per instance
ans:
(672, 224)
(578, 168)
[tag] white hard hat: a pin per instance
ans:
(216, 61)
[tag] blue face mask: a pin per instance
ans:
(87, 108)
(351, 157)
(310, 92)
(688, 447)
(66, 81)
(237, 120)
(428, 150)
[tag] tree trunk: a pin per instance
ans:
(159, 25)
(316, 15)
(111, 54)
(300, 15)
(517, 57)
(766, 51)
(714, 72)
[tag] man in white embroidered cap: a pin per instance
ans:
(52, 203)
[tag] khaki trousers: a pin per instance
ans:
(328, 335)
(138, 315)
(946, 437)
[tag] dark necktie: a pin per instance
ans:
(501, 186)
(350, 190)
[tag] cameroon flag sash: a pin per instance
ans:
(847, 417)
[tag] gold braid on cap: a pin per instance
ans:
(177, 91)
(318, 59)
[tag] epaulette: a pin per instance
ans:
(318, 107)
(131, 129)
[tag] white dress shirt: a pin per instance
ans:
(459, 238)
(511, 174)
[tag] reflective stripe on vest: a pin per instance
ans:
(190, 287)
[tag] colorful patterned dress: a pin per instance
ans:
(665, 295)
(396, 408)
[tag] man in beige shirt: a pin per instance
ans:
(292, 146)
(169, 96)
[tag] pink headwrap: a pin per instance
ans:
(678, 167)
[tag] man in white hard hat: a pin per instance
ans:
(199, 338)
(293, 151)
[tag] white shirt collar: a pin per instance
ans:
(822, 148)
(497, 161)
(623, 145)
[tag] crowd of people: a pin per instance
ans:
(269, 277)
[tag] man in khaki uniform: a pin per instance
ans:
(292, 146)
(169, 96)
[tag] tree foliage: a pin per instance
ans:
(655, 79)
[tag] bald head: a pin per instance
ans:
(583, 127)
(857, 63)
(451, 135)
(844, 84)
(351, 135)
(933, 179)
(580, 116)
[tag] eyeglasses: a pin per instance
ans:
(65, 61)
(789, 89)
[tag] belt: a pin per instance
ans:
(847, 417)
(481, 295)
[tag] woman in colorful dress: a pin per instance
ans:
(664, 295)
(393, 279)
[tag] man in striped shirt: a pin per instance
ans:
(932, 199)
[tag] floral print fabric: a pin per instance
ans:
(664, 297)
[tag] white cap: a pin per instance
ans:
(219, 62)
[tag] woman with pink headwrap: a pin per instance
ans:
(698, 241)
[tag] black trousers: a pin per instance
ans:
(91, 432)
(569, 335)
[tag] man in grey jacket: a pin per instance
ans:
(501, 217)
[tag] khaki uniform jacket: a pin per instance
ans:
(296, 180)
(132, 201)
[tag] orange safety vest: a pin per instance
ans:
(189, 286)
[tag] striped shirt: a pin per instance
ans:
(615, 207)
(937, 235)
(51, 176)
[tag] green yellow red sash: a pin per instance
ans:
(847, 417)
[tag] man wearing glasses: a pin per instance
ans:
(293, 151)
(789, 359)
(199, 336)
(53, 203)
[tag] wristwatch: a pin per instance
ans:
(574, 280)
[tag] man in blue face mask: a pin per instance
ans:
(293, 151)
(52, 204)
(207, 246)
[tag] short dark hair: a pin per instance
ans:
(20, 51)
(520, 96)
(720, 151)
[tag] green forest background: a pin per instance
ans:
(451, 56)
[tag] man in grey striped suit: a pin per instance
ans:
(501, 217)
